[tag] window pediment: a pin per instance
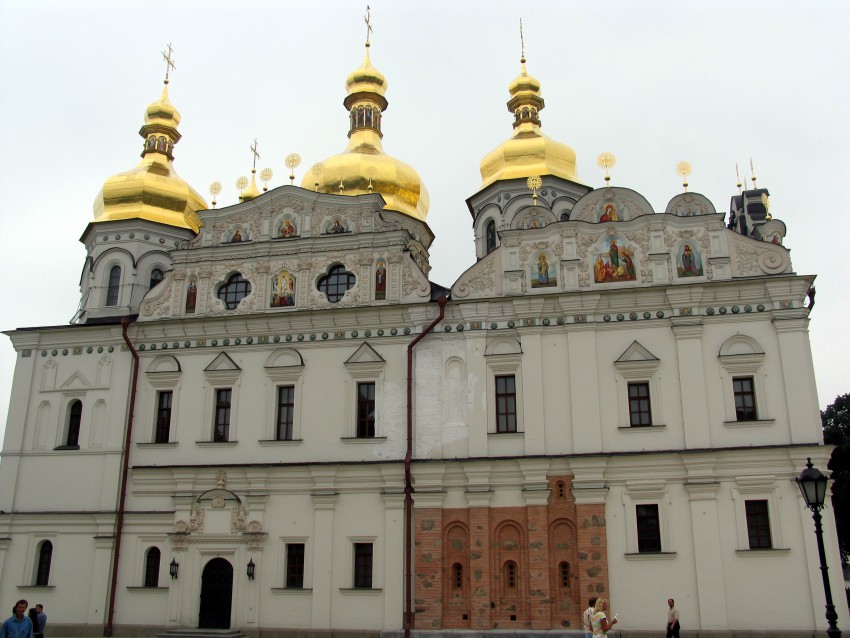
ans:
(222, 369)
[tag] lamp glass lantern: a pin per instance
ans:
(812, 484)
(173, 568)
(251, 568)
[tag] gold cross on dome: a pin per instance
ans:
(255, 153)
(169, 62)
(521, 40)
(368, 20)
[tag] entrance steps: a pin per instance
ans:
(201, 633)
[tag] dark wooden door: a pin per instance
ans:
(216, 594)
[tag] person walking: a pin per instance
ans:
(32, 614)
(672, 619)
(587, 618)
(601, 625)
(42, 622)
(17, 625)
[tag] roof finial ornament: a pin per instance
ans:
(215, 189)
(765, 201)
(684, 169)
(292, 161)
(606, 160)
(241, 185)
(368, 20)
(169, 62)
(317, 171)
(521, 43)
(738, 175)
(753, 173)
(266, 175)
(534, 182)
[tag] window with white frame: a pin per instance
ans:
(222, 376)
(757, 514)
(638, 388)
(363, 565)
(504, 386)
(647, 516)
(365, 395)
(743, 379)
(294, 578)
(44, 560)
(152, 562)
(163, 375)
(284, 369)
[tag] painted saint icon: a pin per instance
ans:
(191, 297)
(283, 290)
(380, 281)
(542, 274)
(690, 262)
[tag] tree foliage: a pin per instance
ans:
(836, 431)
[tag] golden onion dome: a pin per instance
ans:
(153, 190)
(364, 167)
(528, 152)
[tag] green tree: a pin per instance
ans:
(836, 431)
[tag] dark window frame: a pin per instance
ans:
(489, 237)
(640, 405)
(363, 565)
(744, 391)
(506, 403)
(75, 419)
(648, 519)
(113, 288)
(234, 291)
(365, 423)
(758, 523)
(153, 558)
(156, 276)
(221, 420)
(45, 558)
(285, 416)
(294, 566)
(336, 283)
(164, 401)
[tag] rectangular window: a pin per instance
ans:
(745, 398)
(295, 565)
(758, 524)
(639, 411)
(648, 528)
(365, 410)
(163, 416)
(506, 403)
(285, 412)
(222, 415)
(363, 565)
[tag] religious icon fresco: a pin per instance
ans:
(336, 226)
(542, 272)
(689, 261)
(191, 297)
(381, 281)
(288, 228)
(614, 260)
(534, 222)
(610, 211)
(238, 236)
(283, 290)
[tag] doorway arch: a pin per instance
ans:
(216, 595)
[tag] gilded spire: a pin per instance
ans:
(364, 167)
(153, 190)
(529, 152)
(252, 190)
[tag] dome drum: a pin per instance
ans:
(365, 96)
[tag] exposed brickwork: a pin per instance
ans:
(464, 562)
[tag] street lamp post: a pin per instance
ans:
(812, 485)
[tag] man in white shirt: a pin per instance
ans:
(587, 616)
(672, 619)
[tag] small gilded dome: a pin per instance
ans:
(529, 152)
(152, 190)
(363, 167)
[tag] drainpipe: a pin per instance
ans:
(122, 494)
(408, 482)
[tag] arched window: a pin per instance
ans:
(42, 572)
(113, 288)
(564, 574)
(336, 283)
(156, 277)
(234, 291)
(152, 567)
(457, 577)
(75, 415)
(490, 234)
(510, 576)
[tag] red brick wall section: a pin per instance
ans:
(560, 531)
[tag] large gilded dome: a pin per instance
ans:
(529, 152)
(153, 190)
(364, 167)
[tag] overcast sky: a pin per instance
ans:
(710, 82)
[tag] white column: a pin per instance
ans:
(323, 523)
(692, 384)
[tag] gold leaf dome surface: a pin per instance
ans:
(528, 152)
(152, 190)
(363, 167)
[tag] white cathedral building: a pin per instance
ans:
(266, 417)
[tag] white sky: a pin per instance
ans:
(709, 82)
